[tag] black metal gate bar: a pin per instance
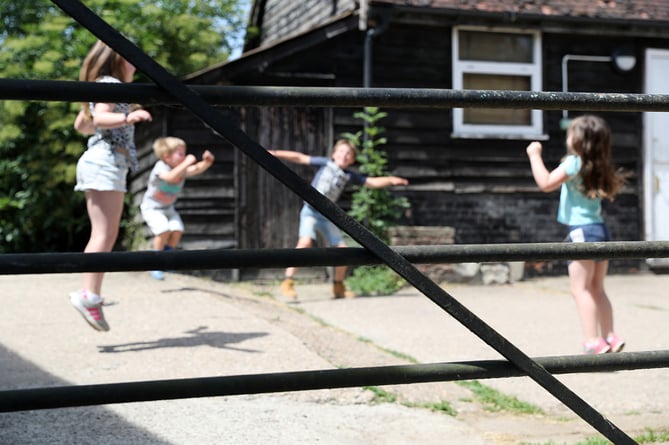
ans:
(276, 168)
(84, 395)
(35, 263)
(148, 94)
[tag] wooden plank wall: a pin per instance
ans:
(284, 18)
(483, 188)
(208, 202)
(269, 211)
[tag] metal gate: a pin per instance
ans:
(199, 101)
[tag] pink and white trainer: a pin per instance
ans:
(89, 306)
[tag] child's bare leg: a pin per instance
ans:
(287, 287)
(174, 239)
(604, 309)
(338, 287)
(581, 274)
(160, 241)
(104, 211)
(302, 243)
(340, 271)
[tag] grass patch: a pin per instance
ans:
(263, 294)
(496, 401)
(653, 436)
(383, 396)
(442, 407)
(650, 436)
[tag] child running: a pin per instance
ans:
(165, 182)
(331, 180)
(585, 176)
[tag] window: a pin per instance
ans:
(496, 60)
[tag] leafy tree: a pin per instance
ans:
(38, 147)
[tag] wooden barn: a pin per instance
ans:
(467, 167)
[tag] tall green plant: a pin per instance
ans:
(377, 209)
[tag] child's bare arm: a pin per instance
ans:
(105, 116)
(377, 182)
(202, 166)
(547, 181)
(291, 156)
(175, 175)
(83, 124)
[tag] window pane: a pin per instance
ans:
(496, 116)
(495, 46)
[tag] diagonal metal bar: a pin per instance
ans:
(85, 395)
(276, 168)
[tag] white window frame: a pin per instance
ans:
(531, 70)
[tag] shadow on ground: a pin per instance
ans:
(65, 426)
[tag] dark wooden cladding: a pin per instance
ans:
(268, 210)
(208, 202)
(482, 187)
(282, 19)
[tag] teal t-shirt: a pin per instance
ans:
(575, 208)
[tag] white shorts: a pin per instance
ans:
(101, 169)
(162, 220)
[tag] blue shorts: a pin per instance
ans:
(589, 233)
(312, 223)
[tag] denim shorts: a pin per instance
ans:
(162, 220)
(589, 233)
(102, 169)
(312, 223)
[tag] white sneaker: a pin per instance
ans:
(89, 306)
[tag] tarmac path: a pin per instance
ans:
(187, 327)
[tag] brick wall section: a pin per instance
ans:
(425, 236)
(487, 218)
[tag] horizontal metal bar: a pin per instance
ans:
(149, 94)
(37, 263)
(85, 395)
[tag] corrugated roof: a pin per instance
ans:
(655, 10)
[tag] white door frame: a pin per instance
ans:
(655, 125)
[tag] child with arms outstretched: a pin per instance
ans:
(331, 180)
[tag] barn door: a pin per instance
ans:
(656, 154)
(268, 212)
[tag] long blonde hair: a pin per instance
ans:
(589, 137)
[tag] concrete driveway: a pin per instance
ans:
(191, 327)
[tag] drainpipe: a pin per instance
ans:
(368, 49)
(376, 30)
(564, 122)
(367, 63)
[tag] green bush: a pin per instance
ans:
(374, 280)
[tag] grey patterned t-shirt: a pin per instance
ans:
(331, 180)
(113, 138)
